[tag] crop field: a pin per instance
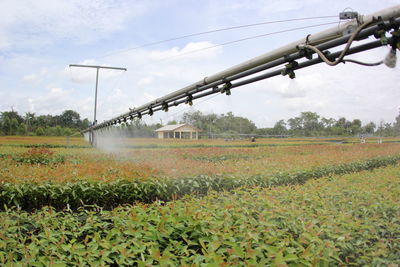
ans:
(150, 158)
(145, 202)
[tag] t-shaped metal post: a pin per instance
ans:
(92, 139)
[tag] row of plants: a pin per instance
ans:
(39, 155)
(36, 155)
(30, 196)
(350, 220)
(243, 145)
(161, 146)
(219, 158)
(227, 145)
(44, 145)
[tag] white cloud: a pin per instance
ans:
(24, 22)
(31, 105)
(190, 50)
(145, 81)
(304, 104)
(43, 37)
(29, 77)
(288, 88)
(35, 76)
(149, 97)
(52, 101)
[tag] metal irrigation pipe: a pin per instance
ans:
(272, 59)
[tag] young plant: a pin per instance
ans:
(39, 155)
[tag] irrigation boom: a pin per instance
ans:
(359, 27)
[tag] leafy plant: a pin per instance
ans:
(31, 196)
(350, 220)
(44, 146)
(219, 158)
(39, 155)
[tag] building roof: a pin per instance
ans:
(173, 127)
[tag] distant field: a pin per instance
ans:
(136, 158)
(17, 140)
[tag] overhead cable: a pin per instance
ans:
(243, 39)
(214, 31)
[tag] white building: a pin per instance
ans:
(178, 131)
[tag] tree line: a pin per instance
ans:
(306, 124)
(66, 124)
(311, 124)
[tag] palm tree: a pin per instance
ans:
(29, 120)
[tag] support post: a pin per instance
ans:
(92, 139)
(95, 107)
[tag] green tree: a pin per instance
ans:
(264, 131)
(195, 119)
(22, 129)
(355, 127)
(40, 121)
(14, 125)
(173, 122)
(70, 118)
(389, 130)
(12, 115)
(138, 128)
(39, 131)
(396, 125)
(337, 130)
(84, 124)
(29, 120)
(50, 131)
(224, 123)
(59, 130)
(6, 125)
(279, 128)
(295, 125)
(327, 123)
(343, 126)
(369, 128)
(310, 123)
(68, 131)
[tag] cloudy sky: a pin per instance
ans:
(40, 38)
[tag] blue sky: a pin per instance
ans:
(39, 39)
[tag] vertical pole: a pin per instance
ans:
(92, 139)
(95, 95)
(95, 107)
